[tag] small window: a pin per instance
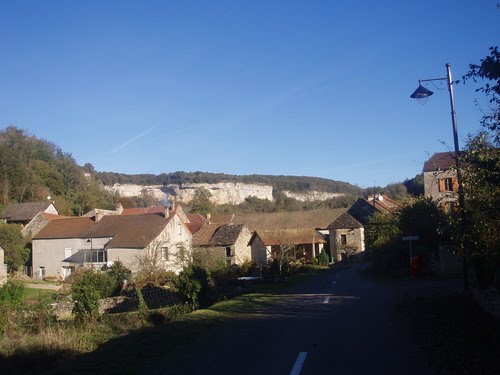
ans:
(446, 184)
(228, 251)
(343, 239)
(164, 253)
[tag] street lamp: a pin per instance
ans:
(423, 93)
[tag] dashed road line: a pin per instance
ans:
(297, 368)
(327, 299)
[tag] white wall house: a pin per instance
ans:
(66, 244)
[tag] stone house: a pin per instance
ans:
(32, 216)
(347, 232)
(305, 243)
(347, 237)
(440, 179)
(63, 245)
(224, 242)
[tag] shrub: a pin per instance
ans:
(12, 293)
(87, 287)
(193, 286)
(120, 274)
(323, 258)
(247, 267)
(86, 299)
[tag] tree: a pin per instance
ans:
(488, 70)
(381, 230)
(201, 203)
(12, 241)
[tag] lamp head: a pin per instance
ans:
(421, 93)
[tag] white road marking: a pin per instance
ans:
(334, 282)
(299, 363)
(326, 300)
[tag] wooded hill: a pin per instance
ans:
(33, 169)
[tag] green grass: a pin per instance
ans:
(31, 295)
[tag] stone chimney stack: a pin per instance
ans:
(208, 217)
(98, 215)
(119, 208)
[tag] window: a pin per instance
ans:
(343, 239)
(41, 271)
(228, 251)
(95, 256)
(446, 184)
(164, 253)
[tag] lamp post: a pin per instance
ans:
(423, 93)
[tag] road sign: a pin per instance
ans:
(410, 238)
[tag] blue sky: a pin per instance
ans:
(309, 88)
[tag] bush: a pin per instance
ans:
(193, 286)
(247, 267)
(12, 293)
(323, 258)
(88, 286)
(120, 274)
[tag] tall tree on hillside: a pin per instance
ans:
(201, 203)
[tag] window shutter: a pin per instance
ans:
(441, 184)
(454, 183)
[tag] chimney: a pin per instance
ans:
(119, 208)
(98, 216)
(208, 217)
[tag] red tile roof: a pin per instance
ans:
(196, 221)
(289, 236)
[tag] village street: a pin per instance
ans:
(340, 322)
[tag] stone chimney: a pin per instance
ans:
(119, 208)
(98, 215)
(208, 217)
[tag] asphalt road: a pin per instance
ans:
(337, 323)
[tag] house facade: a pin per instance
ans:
(303, 244)
(66, 244)
(222, 242)
(347, 237)
(440, 179)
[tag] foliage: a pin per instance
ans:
(489, 70)
(422, 217)
(415, 185)
(323, 258)
(119, 274)
(481, 184)
(381, 230)
(12, 293)
(32, 169)
(201, 203)
(87, 287)
(193, 286)
(12, 241)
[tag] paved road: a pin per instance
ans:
(338, 323)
